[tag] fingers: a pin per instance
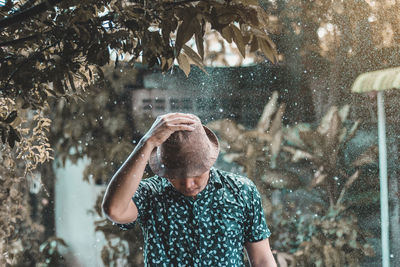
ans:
(181, 120)
(181, 127)
(179, 115)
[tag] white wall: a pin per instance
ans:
(74, 223)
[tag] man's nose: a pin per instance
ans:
(189, 183)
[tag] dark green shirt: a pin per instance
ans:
(209, 230)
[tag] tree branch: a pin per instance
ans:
(181, 2)
(35, 36)
(26, 14)
(20, 40)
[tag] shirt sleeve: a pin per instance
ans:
(142, 199)
(256, 228)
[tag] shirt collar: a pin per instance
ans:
(215, 179)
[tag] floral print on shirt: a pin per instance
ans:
(209, 230)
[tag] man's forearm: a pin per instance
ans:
(125, 181)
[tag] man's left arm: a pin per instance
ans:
(259, 254)
(257, 233)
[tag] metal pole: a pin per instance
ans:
(383, 181)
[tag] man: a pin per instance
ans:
(191, 214)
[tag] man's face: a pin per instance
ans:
(191, 186)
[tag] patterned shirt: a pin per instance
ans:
(209, 230)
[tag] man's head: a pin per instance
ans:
(188, 155)
(191, 186)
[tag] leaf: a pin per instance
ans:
(331, 144)
(281, 179)
(196, 59)
(267, 50)
(13, 136)
(348, 184)
(227, 34)
(319, 178)
(226, 18)
(253, 44)
(200, 44)
(11, 117)
(325, 123)
(250, 2)
(352, 131)
(184, 64)
(238, 39)
(369, 156)
(71, 81)
(3, 135)
(284, 258)
(269, 109)
(344, 112)
(185, 31)
(298, 154)
(231, 132)
(276, 124)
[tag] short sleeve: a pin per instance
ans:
(256, 228)
(142, 199)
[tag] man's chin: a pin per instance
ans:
(191, 193)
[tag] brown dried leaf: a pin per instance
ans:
(186, 30)
(318, 178)
(253, 44)
(276, 124)
(238, 39)
(267, 50)
(284, 258)
(367, 157)
(226, 18)
(227, 34)
(269, 109)
(249, 2)
(275, 147)
(194, 57)
(184, 63)
(297, 154)
(200, 44)
(227, 129)
(325, 123)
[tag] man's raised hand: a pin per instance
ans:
(167, 124)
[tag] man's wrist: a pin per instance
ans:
(146, 143)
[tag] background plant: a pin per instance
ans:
(321, 229)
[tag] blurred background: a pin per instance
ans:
(81, 82)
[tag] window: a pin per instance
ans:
(147, 104)
(159, 104)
